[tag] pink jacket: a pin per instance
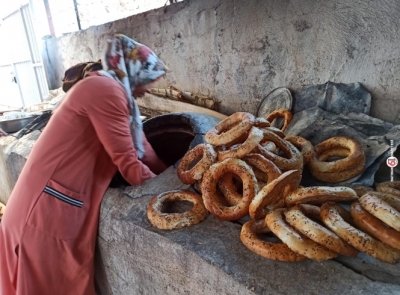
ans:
(49, 230)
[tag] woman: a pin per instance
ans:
(48, 232)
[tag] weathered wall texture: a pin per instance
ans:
(13, 155)
(238, 51)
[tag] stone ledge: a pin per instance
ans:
(13, 155)
(209, 258)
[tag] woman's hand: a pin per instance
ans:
(2, 133)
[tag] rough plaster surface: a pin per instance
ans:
(238, 51)
(133, 257)
(13, 155)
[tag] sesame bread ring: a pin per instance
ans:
(359, 189)
(267, 145)
(300, 218)
(270, 250)
(329, 155)
(229, 129)
(385, 207)
(356, 156)
(293, 159)
(303, 145)
(264, 170)
(285, 113)
(261, 123)
(208, 156)
(373, 226)
(171, 221)
(274, 193)
(210, 184)
(231, 188)
(320, 195)
(295, 241)
(270, 146)
(240, 150)
(335, 177)
(277, 131)
(269, 170)
(389, 187)
(336, 218)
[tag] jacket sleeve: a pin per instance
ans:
(151, 159)
(109, 114)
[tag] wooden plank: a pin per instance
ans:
(153, 102)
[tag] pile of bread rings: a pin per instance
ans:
(248, 168)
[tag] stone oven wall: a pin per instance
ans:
(238, 51)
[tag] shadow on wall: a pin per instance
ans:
(50, 51)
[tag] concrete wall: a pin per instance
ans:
(238, 51)
(13, 155)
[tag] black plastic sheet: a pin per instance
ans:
(328, 110)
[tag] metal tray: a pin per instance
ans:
(279, 98)
(11, 126)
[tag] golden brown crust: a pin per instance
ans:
(261, 123)
(335, 177)
(373, 226)
(383, 206)
(293, 158)
(273, 194)
(171, 221)
(275, 251)
(333, 216)
(355, 156)
(264, 170)
(295, 241)
(230, 187)
(338, 170)
(208, 156)
(389, 187)
(267, 145)
(359, 189)
(305, 147)
(240, 150)
(274, 130)
(210, 183)
(229, 129)
(285, 113)
(299, 217)
(320, 195)
(267, 167)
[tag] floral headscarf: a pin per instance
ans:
(132, 64)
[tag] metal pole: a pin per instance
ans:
(49, 17)
(77, 15)
(19, 86)
(30, 45)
